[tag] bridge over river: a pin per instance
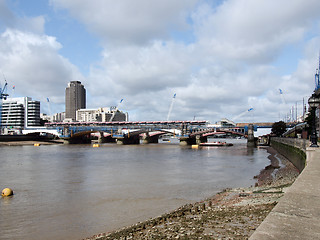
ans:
(188, 132)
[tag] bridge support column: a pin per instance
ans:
(250, 140)
(184, 141)
(128, 140)
(194, 140)
(201, 139)
(77, 140)
(101, 138)
(150, 139)
(107, 139)
(120, 141)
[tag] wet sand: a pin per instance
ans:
(230, 214)
(22, 143)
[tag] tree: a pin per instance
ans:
(278, 128)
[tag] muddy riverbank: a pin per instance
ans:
(31, 142)
(230, 214)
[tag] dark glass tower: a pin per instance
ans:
(75, 99)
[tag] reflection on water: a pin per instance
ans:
(75, 191)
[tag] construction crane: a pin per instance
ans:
(241, 114)
(316, 76)
(115, 110)
(171, 106)
(3, 95)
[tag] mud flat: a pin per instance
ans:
(22, 143)
(230, 214)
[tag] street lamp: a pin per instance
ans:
(314, 102)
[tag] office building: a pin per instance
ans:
(58, 117)
(20, 113)
(75, 99)
(101, 115)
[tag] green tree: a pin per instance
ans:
(278, 128)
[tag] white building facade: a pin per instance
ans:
(101, 115)
(20, 113)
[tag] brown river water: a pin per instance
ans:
(75, 191)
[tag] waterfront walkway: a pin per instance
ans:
(297, 215)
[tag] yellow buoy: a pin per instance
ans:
(6, 192)
(195, 146)
(36, 144)
(95, 145)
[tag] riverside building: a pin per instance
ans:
(101, 115)
(20, 113)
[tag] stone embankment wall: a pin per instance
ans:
(297, 215)
(293, 149)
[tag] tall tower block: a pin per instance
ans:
(75, 99)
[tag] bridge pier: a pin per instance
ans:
(150, 139)
(193, 140)
(77, 140)
(128, 140)
(185, 141)
(201, 139)
(103, 139)
(250, 140)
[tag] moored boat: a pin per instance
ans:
(216, 144)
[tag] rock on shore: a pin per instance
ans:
(231, 214)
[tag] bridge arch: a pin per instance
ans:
(217, 132)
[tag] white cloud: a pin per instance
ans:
(228, 68)
(31, 62)
(253, 31)
(135, 69)
(30, 59)
(123, 22)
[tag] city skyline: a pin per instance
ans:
(220, 58)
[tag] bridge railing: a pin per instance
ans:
(178, 128)
(67, 129)
(142, 123)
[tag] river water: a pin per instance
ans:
(75, 191)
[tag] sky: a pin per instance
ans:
(220, 57)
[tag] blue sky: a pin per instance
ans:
(220, 57)
(81, 47)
